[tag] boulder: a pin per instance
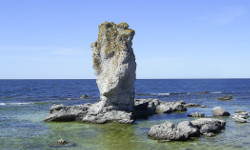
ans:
(218, 111)
(240, 117)
(196, 114)
(145, 107)
(186, 129)
(210, 128)
(168, 131)
(202, 121)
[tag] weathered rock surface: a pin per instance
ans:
(168, 131)
(218, 111)
(67, 113)
(145, 107)
(186, 129)
(196, 114)
(96, 113)
(240, 117)
(88, 113)
(114, 65)
(202, 121)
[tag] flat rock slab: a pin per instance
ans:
(96, 113)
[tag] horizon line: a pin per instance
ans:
(136, 79)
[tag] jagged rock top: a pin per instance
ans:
(112, 40)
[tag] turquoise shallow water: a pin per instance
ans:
(25, 103)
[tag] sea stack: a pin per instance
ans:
(114, 65)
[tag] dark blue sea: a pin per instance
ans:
(25, 103)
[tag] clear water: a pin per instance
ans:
(25, 103)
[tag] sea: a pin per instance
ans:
(25, 103)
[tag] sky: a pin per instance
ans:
(50, 39)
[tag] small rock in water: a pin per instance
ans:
(205, 92)
(191, 105)
(203, 106)
(218, 111)
(229, 97)
(196, 114)
(210, 134)
(84, 96)
(62, 141)
(240, 117)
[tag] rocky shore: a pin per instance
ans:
(88, 112)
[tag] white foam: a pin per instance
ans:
(217, 92)
(160, 94)
(2, 104)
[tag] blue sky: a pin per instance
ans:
(47, 39)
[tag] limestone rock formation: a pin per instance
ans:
(145, 107)
(186, 129)
(114, 65)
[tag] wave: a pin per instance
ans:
(3, 104)
(217, 92)
(160, 94)
(188, 93)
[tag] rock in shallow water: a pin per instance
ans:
(218, 111)
(186, 129)
(145, 107)
(95, 113)
(240, 117)
(196, 114)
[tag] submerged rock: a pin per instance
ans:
(191, 105)
(229, 97)
(218, 111)
(196, 114)
(62, 143)
(186, 129)
(84, 96)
